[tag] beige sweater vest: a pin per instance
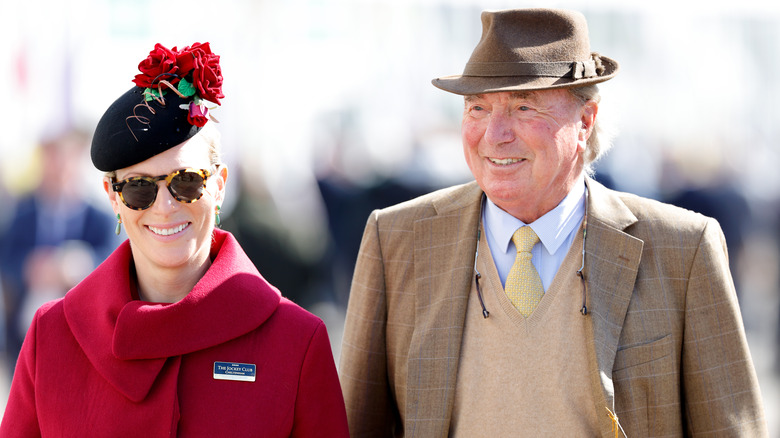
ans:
(522, 377)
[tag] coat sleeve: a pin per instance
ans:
(319, 406)
(719, 382)
(371, 410)
(21, 417)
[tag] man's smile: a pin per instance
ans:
(505, 161)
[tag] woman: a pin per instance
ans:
(176, 333)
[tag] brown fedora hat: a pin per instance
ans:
(530, 49)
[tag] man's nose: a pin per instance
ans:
(499, 128)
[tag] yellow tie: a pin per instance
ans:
(523, 285)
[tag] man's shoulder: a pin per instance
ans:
(651, 214)
(447, 200)
(653, 209)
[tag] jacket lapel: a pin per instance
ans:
(445, 244)
(611, 265)
(443, 269)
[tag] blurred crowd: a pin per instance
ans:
(51, 237)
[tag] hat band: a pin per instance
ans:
(576, 69)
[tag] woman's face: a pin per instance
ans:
(171, 234)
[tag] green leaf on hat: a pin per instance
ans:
(151, 94)
(186, 88)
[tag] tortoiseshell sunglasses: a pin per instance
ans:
(139, 192)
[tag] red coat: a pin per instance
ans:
(99, 363)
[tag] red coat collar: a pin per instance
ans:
(128, 341)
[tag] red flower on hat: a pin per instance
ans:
(205, 69)
(159, 65)
(193, 72)
(198, 114)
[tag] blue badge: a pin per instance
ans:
(240, 372)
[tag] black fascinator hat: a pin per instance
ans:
(169, 105)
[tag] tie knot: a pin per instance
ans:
(524, 239)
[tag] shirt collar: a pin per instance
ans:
(553, 228)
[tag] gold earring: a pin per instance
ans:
(217, 220)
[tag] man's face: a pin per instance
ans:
(524, 148)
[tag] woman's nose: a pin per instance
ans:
(164, 197)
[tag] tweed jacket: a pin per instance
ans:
(667, 347)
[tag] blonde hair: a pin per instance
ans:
(211, 135)
(213, 138)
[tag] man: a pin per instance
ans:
(625, 319)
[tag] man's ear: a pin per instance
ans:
(587, 121)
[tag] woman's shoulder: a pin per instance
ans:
(52, 310)
(291, 331)
(295, 315)
(49, 318)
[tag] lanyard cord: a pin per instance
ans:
(580, 272)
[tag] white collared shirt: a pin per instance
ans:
(556, 230)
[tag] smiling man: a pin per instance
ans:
(534, 301)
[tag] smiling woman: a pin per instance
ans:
(170, 231)
(176, 333)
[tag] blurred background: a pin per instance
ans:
(329, 113)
